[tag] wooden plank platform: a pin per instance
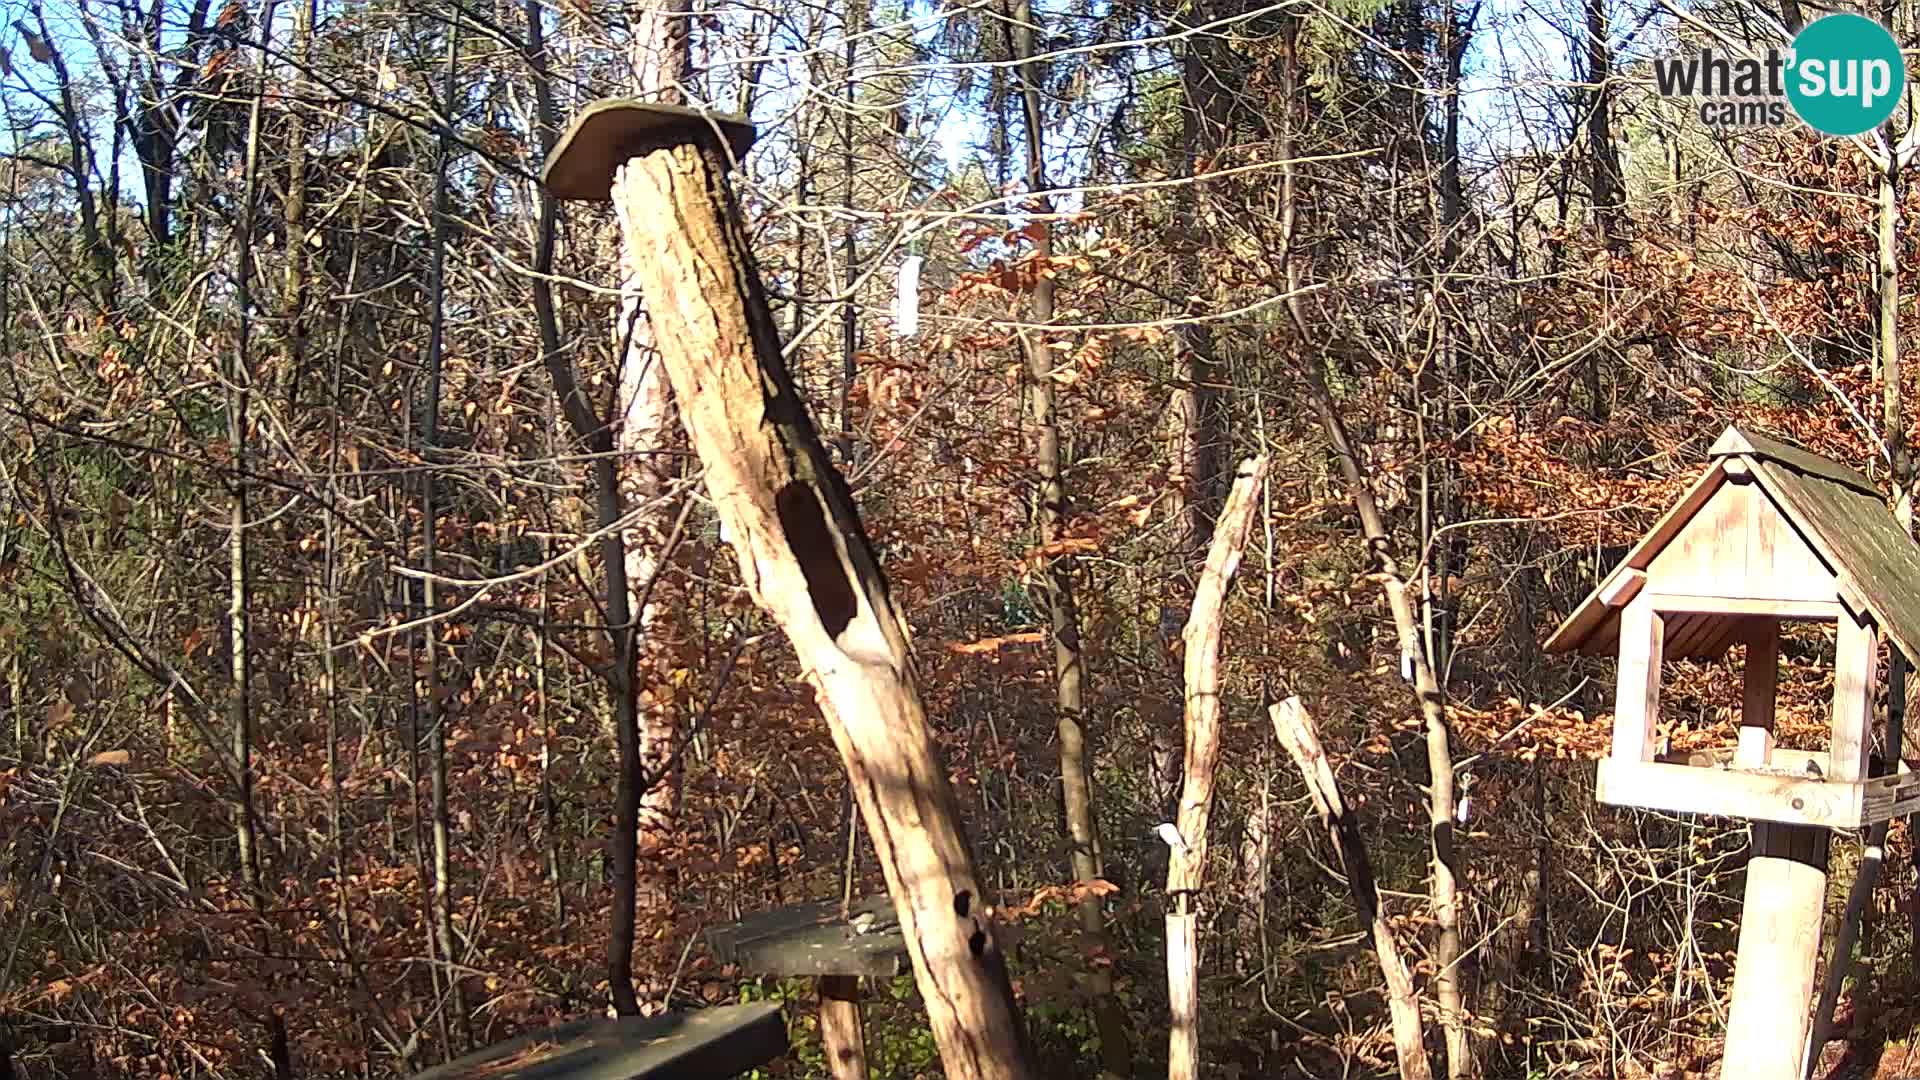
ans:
(812, 939)
(1786, 792)
(700, 1045)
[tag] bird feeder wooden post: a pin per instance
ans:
(802, 551)
(1770, 533)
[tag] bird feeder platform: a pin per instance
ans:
(817, 940)
(1768, 534)
(813, 939)
(697, 1045)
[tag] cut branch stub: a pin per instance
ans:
(806, 560)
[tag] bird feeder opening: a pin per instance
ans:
(1769, 534)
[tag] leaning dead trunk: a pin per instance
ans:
(1295, 729)
(805, 558)
(1187, 868)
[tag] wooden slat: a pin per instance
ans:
(1888, 797)
(1637, 691)
(1685, 634)
(1856, 663)
(1621, 587)
(1761, 684)
(1745, 605)
(1723, 634)
(1683, 789)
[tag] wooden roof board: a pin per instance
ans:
(697, 1045)
(1736, 440)
(812, 939)
(1833, 509)
(1852, 530)
(1591, 617)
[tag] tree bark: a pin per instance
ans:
(439, 715)
(1199, 444)
(1295, 729)
(805, 559)
(645, 438)
(1443, 887)
(1063, 617)
(1186, 869)
(590, 429)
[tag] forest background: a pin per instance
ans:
(357, 590)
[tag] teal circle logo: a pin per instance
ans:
(1846, 75)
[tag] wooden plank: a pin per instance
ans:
(840, 1034)
(1722, 633)
(720, 1042)
(1621, 587)
(1683, 789)
(1591, 615)
(1736, 440)
(1767, 1020)
(1637, 690)
(1761, 685)
(1856, 664)
(1813, 610)
(1887, 797)
(812, 939)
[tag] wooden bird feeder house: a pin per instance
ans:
(1769, 533)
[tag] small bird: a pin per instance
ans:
(867, 922)
(1170, 833)
(1813, 769)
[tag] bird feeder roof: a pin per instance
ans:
(1832, 514)
(605, 134)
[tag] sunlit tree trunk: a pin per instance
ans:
(1069, 659)
(645, 438)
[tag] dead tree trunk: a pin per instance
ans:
(1187, 868)
(1295, 729)
(805, 559)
